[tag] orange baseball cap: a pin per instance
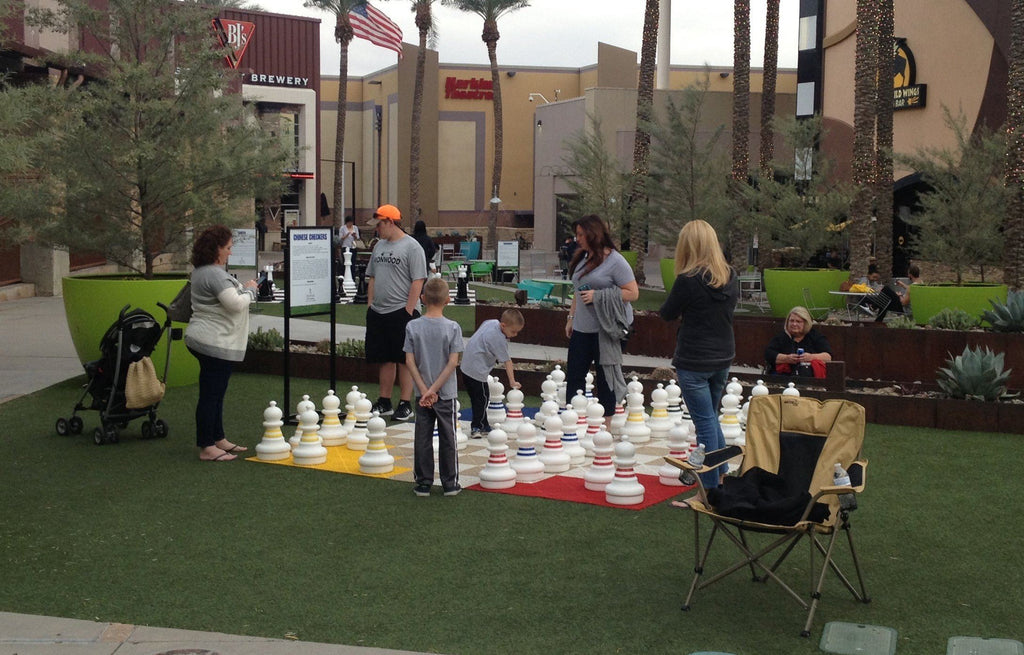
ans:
(385, 213)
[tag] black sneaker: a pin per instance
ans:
(453, 491)
(422, 490)
(403, 412)
(383, 407)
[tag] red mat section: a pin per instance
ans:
(563, 487)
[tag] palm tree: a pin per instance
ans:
(424, 23)
(343, 35)
(883, 193)
(865, 106)
(771, 68)
(491, 11)
(740, 121)
(642, 139)
(1013, 223)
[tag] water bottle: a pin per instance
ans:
(840, 478)
(696, 457)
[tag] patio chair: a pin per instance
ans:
(785, 490)
(538, 291)
(752, 291)
(452, 270)
(817, 312)
(481, 271)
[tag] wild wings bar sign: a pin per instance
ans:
(906, 93)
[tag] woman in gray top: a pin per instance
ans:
(596, 265)
(217, 335)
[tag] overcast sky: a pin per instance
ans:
(559, 33)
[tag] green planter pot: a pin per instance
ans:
(93, 303)
(668, 273)
(927, 300)
(630, 256)
(785, 288)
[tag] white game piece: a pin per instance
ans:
(526, 465)
(635, 386)
(659, 423)
(759, 389)
(309, 452)
(461, 440)
(730, 421)
(376, 459)
(497, 472)
(579, 404)
(273, 446)
(348, 282)
(624, 489)
(300, 407)
(350, 409)
(553, 455)
(549, 390)
(674, 398)
(679, 448)
(513, 410)
(735, 388)
(496, 401)
(588, 384)
(618, 421)
(595, 423)
(570, 436)
(331, 430)
(357, 439)
(791, 390)
(635, 430)
(558, 375)
(547, 408)
(602, 469)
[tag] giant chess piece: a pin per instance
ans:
(513, 410)
(674, 398)
(588, 386)
(618, 421)
(571, 437)
(351, 398)
(309, 452)
(348, 283)
(547, 408)
(553, 456)
(791, 390)
(595, 423)
(635, 386)
(376, 460)
(635, 430)
(549, 389)
(579, 404)
(729, 419)
(624, 489)
(462, 287)
(759, 390)
(497, 472)
(362, 290)
(526, 465)
(660, 422)
(558, 375)
(602, 469)
(461, 440)
(273, 446)
(331, 430)
(357, 439)
(679, 448)
(570, 424)
(496, 401)
(301, 408)
(735, 388)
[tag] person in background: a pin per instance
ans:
(419, 232)
(704, 296)
(216, 335)
(914, 273)
(395, 275)
(348, 233)
(489, 344)
(432, 346)
(595, 267)
(799, 333)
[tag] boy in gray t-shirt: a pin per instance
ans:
(488, 346)
(432, 347)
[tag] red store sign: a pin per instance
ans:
(476, 88)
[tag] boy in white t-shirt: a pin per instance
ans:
(487, 346)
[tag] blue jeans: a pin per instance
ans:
(702, 393)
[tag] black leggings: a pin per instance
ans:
(584, 350)
(479, 393)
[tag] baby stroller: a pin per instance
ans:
(133, 336)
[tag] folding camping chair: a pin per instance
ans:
(793, 443)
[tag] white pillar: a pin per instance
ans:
(664, 44)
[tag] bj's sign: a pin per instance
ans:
(476, 88)
(235, 36)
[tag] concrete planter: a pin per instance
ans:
(93, 303)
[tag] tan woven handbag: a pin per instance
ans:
(142, 387)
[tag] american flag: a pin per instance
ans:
(371, 24)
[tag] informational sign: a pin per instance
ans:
(291, 217)
(243, 248)
(309, 267)
(508, 254)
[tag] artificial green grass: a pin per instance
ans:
(143, 533)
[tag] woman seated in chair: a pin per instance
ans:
(799, 334)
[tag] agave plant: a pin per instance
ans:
(974, 374)
(954, 319)
(1008, 317)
